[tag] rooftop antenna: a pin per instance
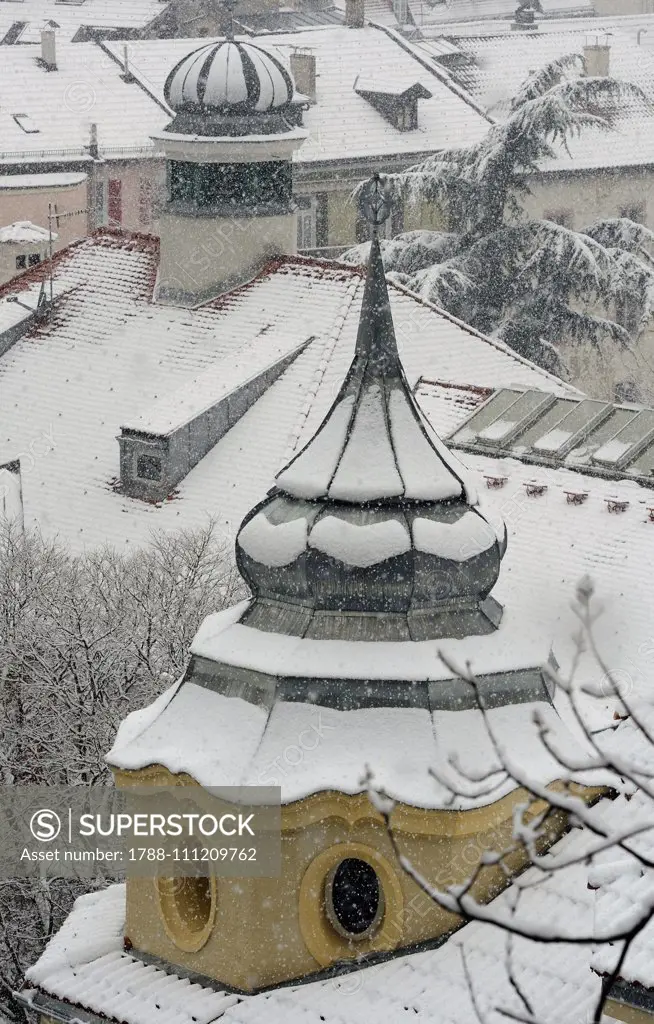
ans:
(228, 7)
(54, 215)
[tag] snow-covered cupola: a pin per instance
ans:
(373, 530)
(369, 558)
(236, 124)
(230, 80)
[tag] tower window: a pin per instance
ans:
(232, 185)
(354, 899)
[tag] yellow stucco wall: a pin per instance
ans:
(32, 204)
(264, 931)
(592, 195)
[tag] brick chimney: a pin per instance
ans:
(355, 13)
(303, 69)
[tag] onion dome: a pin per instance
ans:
(230, 77)
(372, 531)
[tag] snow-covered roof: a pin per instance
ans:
(46, 115)
(171, 411)
(473, 10)
(62, 179)
(24, 231)
(228, 741)
(342, 124)
(102, 977)
(623, 885)
(22, 23)
(86, 964)
(107, 319)
(501, 61)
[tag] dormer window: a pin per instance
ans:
(399, 104)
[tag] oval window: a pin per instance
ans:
(187, 907)
(354, 898)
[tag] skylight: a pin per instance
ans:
(25, 122)
(593, 436)
(572, 428)
(628, 442)
(528, 407)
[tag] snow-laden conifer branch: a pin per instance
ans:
(534, 284)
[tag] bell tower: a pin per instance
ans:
(228, 158)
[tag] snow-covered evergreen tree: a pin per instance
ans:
(533, 283)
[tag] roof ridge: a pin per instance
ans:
(438, 73)
(359, 270)
(144, 86)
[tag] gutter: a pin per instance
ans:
(633, 995)
(36, 1001)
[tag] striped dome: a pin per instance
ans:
(230, 76)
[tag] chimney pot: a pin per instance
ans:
(93, 142)
(303, 69)
(49, 48)
(127, 74)
(355, 13)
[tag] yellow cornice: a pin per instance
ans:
(358, 808)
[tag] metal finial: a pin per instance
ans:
(228, 7)
(375, 203)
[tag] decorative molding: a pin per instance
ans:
(356, 808)
(320, 937)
